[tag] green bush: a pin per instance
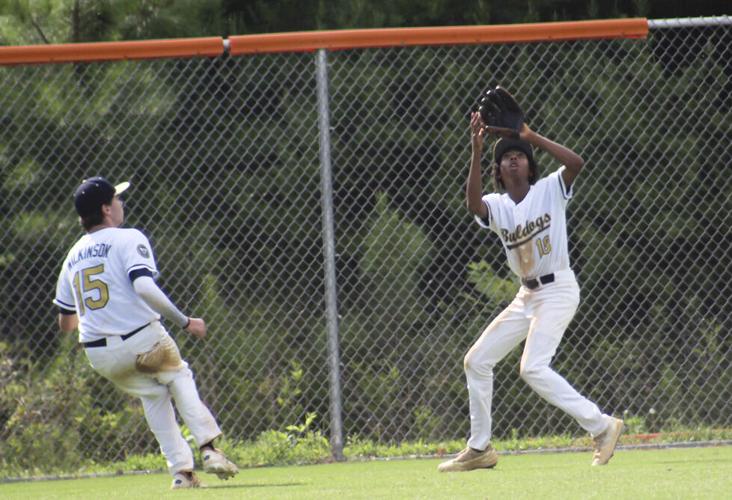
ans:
(56, 423)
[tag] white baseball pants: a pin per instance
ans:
(540, 316)
(116, 362)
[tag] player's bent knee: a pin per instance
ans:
(530, 374)
(475, 365)
(171, 376)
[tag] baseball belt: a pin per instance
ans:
(103, 342)
(534, 283)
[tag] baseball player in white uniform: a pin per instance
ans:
(106, 289)
(529, 217)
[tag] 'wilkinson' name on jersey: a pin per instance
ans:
(98, 250)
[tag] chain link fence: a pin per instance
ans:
(223, 156)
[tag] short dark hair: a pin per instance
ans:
(93, 219)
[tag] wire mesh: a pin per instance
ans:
(223, 158)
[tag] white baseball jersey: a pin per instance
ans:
(534, 231)
(95, 282)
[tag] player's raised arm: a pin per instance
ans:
(474, 186)
(571, 160)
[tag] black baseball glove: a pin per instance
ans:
(500, 112)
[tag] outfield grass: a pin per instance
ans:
(637, 474)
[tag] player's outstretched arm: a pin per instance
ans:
(154, 297)
(571, 160)
(474, 186)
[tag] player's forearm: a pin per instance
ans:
(154, 297)
(68, 322)
(474, 186)
(563, 154)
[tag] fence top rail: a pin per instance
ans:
(111, 51)
(307, 41)
(690, 22)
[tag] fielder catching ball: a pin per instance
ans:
(529, 216)
(106, 289)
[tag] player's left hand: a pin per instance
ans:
(197, 327)
(526, 133)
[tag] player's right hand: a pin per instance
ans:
(477, 131)
(197, 327)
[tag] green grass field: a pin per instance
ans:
(637, 474)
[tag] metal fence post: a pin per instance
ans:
(331, 299)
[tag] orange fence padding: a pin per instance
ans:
(305, 41)
(110, 51)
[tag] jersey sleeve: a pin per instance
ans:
(556, 185)
(138, 258)
(489, 221)
(64, 294)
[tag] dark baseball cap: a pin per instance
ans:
(95, 192)
(506, 144)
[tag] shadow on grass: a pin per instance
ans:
(252, 485)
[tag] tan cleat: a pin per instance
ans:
(215, 462)
(185, 479)
(605, 443)
(469, 459)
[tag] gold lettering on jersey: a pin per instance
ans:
(100, 250)
(528, 230)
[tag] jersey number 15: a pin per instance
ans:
(85, 283)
